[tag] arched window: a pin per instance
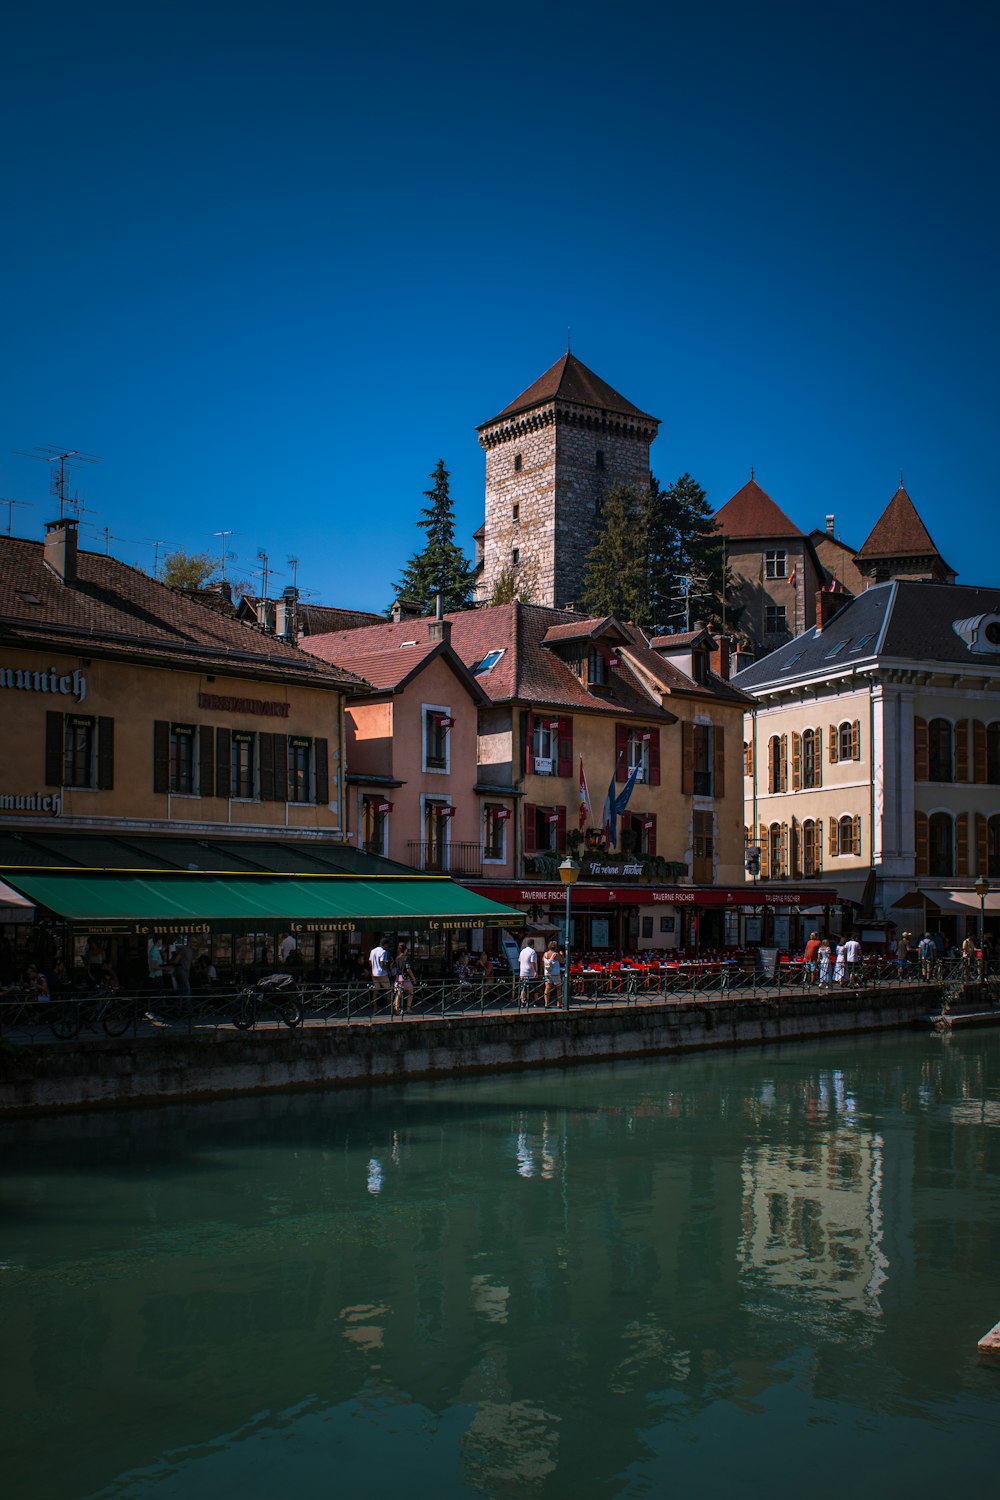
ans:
(993, 754)
(845, 740)
(941, 843)
(845, 841)
(993, 846)
(810, 758)
(774, 851)
(941, 764)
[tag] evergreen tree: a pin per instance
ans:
(614, 577)
(442, 567)
(686, 558)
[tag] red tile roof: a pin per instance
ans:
(570, 380)
(391, 668)
(315, 619)
(752, 513)
(898, 532)
(116, 610)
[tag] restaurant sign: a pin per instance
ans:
(43, 802)
(267, 707)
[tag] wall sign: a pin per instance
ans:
(50, 803)
(51, 680)
(267, 707)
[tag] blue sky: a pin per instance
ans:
(272, 261)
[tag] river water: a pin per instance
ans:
(760, 1272)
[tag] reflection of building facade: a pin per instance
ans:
(873, 753)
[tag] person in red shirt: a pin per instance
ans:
(811, 958)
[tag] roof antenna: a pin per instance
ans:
(568, 346)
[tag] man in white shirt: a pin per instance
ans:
(527, 964)
(852, 958)
(286, 948)
(378, 962)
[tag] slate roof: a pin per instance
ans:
(752, 513)
(570, 380)
(114, 609)
(898, 532)
(530, 671)
(907, 619)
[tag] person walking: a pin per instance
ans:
(825, 964)
(552, 969)
(903, 954)
(154, 971)
(403, 979)
(852, 960)
(927, 953)
(527, 967)
(378, 963)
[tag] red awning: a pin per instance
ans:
(581, 894)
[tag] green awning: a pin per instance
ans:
(186, 901)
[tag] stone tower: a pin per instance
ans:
(550, 455)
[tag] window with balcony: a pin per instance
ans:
(495, 821)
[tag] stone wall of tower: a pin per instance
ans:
(546, 509)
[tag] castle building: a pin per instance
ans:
(773, 564)
(900, 546)
(550, 457)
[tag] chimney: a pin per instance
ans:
(60, 549)
(405, 609)
(439, 630)
(827, 605)
(829, 525)
(720, 659)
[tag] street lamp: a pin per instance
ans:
(569, 874)
(982, 891)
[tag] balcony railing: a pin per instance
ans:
(445, 859)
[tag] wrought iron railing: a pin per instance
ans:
(445, 858)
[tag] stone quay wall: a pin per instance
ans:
(170, 1066)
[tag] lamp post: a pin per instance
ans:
(982, 891)
(569, 873)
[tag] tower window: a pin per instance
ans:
(599, 459)
(518, 463)
(515, 555)
(517, 511)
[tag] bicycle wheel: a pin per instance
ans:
(117, 1017)
(290, 1012)
(245, 1013)
(64, 1022)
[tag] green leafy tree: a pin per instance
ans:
(614, 576)
(189, 570)
(442, 567)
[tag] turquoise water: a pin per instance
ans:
(761, 1272)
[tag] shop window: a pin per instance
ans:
(941, 843)
(495, 833)
(775, 620)
(374, 824)
(776, 564)
(300, 769)
(183, 740)
(940, 758)
(243, 765)
(79, 751)
(437, 724)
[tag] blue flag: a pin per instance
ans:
(613, 805)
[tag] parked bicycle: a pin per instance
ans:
(67, 1018)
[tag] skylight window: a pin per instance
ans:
(489, 661)
(29, 598)
(407, 643)
(789, 664)
(836, 649)
(863, 642)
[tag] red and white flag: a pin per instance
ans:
(793, 577)
(585, 811)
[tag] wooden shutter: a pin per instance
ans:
(795, 862)
(772, 755)
(654, 757)
(687, 759)
(206, 760)
(982, 844)
(796, 762)
(621, 752)
(921, 751)
(783, 764)
(978, 751)
(53, 749)
(922, 844)
(528, 730)
(321, 752)
(266, 752)
(105, 754)
(856, 835)
(223, 762)
(834, 744)
(280, 767)
(765, 852)
(565, 747)
(962, 750)
(818, 844)
(818, 759)
(161, 755)
(782, 852)
(530, 828)
(651, 834)
(962, 844)
(561, 831)
(718, 761)
(834, 838)
(856, 740)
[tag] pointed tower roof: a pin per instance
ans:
(570, 380)
(898, 532)
(752, 513)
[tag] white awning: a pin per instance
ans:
(13, 906)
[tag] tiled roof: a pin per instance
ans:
(389, 669)
(898, 532)
(681, 640)
(582, 630)
(570, 380)
(316, 619)
(752, 513)
(116, 609)
(212, 599)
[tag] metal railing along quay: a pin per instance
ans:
(25, 1020)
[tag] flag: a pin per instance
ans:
(613, 805)
(585, 809)
(793, 576)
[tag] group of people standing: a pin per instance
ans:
(393, 978)
(827, 964)
(552, 961)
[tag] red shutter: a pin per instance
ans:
(565, 747)
(651, 834)
(654, 757)
(621, 752)
(561, 831)
(530, 831)
(529, 743)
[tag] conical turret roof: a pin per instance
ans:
(751, 513)
(570, 380)
(898, 532)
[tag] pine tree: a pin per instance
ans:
(442, 567)
(614, 577)
(686, 557)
